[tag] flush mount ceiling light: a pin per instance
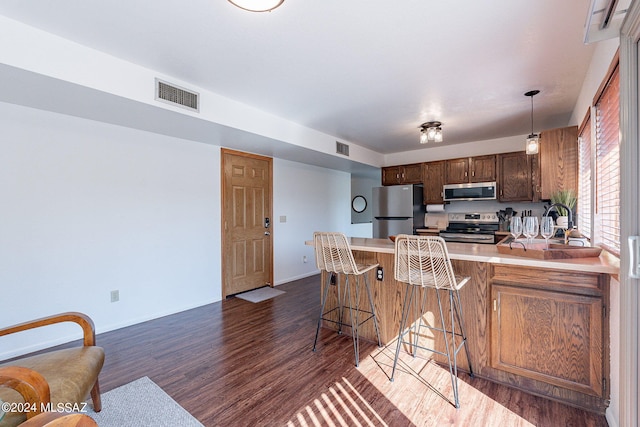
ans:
(257, 5)
(430, 132)
(533, 140)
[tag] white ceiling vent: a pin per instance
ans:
(175, 95)
(604, 19)
(342, 148)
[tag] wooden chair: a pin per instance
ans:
(55, 377)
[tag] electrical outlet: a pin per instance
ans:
(379, 273)
(115, 296)
(304, 259)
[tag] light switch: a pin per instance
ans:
(283, 218)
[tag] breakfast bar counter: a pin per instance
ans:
(606, 263)
(541, 326)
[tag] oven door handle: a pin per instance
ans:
(467, 236)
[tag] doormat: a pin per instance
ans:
(259, 295)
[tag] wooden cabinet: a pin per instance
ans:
(471, 169)
(482, 168)
(433, 176)
(558, 158)
(405, 174)
(514, 177)
(457, 171)
(549, 331)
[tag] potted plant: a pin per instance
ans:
(567, 198)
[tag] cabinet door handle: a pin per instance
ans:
(473, 173)
(495, 305)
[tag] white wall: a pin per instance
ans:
(600, 62)
(311, 199)
(88, 208)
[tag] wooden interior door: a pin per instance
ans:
(247, 245)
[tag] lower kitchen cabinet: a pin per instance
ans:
(549, 333)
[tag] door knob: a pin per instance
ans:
(266, 233)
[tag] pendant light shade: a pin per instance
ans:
(257, 5)
(533, 140)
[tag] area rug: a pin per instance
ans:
(259, 295)
(141, 403)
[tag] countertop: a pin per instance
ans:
(605, 263)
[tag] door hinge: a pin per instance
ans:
(604, 386)
(604, 311)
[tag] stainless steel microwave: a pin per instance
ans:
(470, 191)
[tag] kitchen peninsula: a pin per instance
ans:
(541, 326)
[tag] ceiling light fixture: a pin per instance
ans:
(430, 132)
(533, 140)
(257, 5)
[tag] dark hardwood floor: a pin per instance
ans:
(235, 363)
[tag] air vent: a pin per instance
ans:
(175, 95)
(342, 148)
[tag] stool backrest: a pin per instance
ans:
(333, 253)
(423, 261)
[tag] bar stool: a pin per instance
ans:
(334, 256)
(423, 262)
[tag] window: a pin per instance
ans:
(584, 177)
(607, 219)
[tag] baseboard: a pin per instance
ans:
(291, 279)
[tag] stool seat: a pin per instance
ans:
(334, 256)
(423, 262)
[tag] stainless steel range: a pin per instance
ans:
(471, 227)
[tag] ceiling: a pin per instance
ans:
(366, 72)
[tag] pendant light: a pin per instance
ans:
(257, 5)
(430, 132)
(533, 140)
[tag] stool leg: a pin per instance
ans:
(454, 346)
(324, 302)
(373, 309)
(354, 320)
(464, 334)
(403, 320)
(448, 351)
(420, 312)
(341, 299)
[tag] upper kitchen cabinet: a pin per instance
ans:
(514, 177)
(471, 169)
(405, 174)
(558, 161)
(433, 176)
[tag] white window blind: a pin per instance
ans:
(584, 179)
(608, 165)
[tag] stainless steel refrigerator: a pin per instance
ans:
(397, 209)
